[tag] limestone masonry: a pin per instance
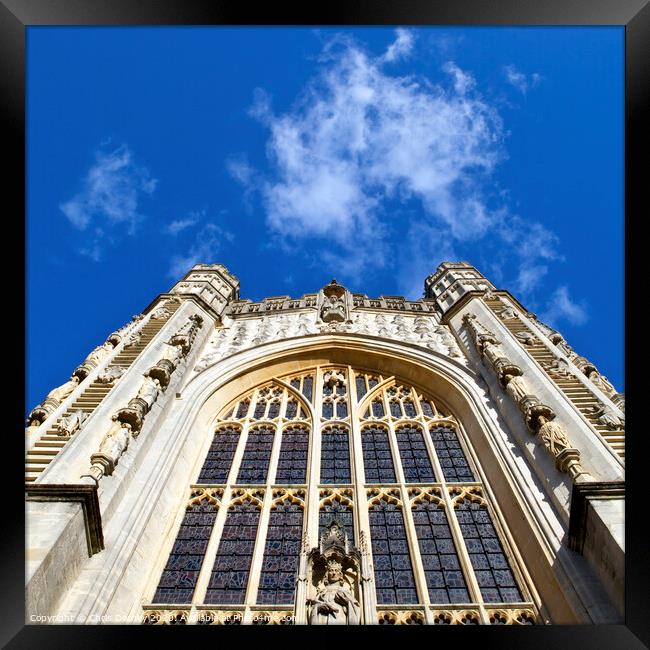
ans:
(331, 459)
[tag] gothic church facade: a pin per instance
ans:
(329, 459)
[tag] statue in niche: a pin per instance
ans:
(335, 603)
(333, 309)
(606, 416)
(334, 568)
(70, 423)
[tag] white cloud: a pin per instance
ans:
(205, 250)
(519, 80)
(109, 198)
(178, 225)
(401, 47)
(362, 148)
(562, 307)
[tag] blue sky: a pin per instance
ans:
(294, 155)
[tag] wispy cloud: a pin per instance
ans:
(109, 199)
(520, 80)
(562, 307)
(385, 170)
(401, 47)
(205, 249)
(178, 225)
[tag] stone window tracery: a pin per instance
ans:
(425, 521)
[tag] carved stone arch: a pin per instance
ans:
(376, 424)
(449, 422)
(365, 401)
(429, 373)
(302, 400)
(297, 424)
(334, 423)
(404, 422)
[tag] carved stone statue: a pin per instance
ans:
(68, 424)
(110, 375)
(134, 339)
(333, 307)
(160, 313)
(334, 603)
(599, 380)
(113, 445)
(98, 354)
(553, 436)
(507, 313)
(334, 378)
(557, 368)
(516, 387)
(527, 338)
(64, 390)
(149, 390)
(334, 568)
(173, 353)
(606, 416)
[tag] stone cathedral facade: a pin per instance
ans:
(332, 459)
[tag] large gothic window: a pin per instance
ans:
(382, 460)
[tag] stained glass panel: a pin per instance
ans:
(361, 387)
(292, 465)
(181, 572)
(442, 570)
(242, 409)
(229, 577)
(216, 466)
(257, 455)
(281, 555)
(394, 580)
(491, 566)
(339, 511)
(415, 457)
(335, 456)
(451, 456)
(377, 458)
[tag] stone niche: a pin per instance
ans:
(333, 593)
(334, 306)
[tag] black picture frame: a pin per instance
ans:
(634, 15)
